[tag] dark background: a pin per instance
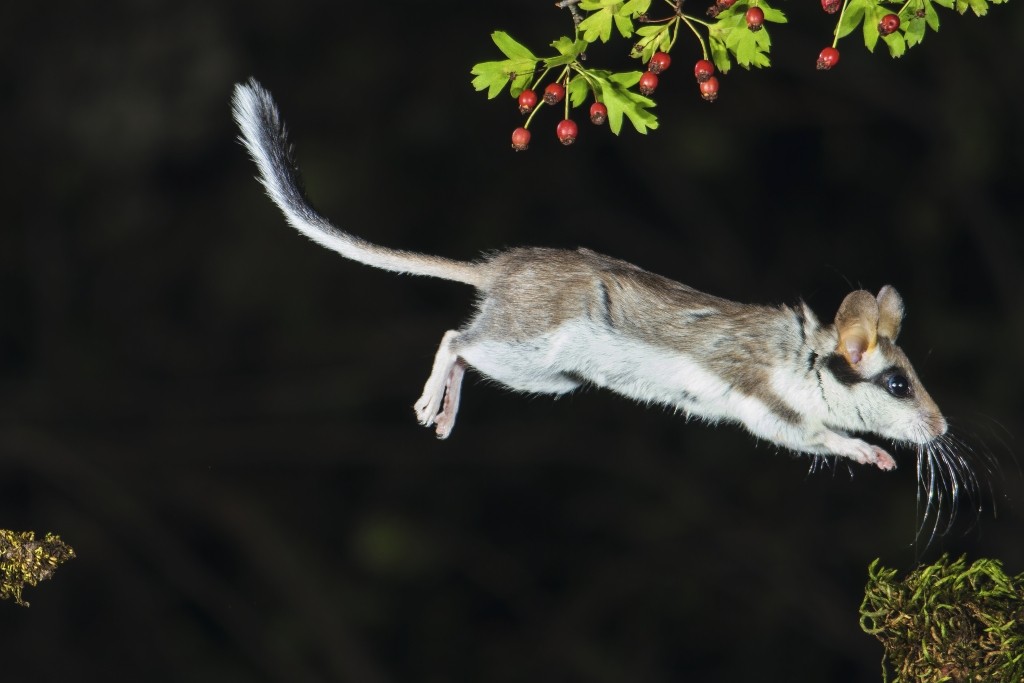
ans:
(216, 413)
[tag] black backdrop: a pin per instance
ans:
(217, 414)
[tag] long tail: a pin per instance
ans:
(266, 138)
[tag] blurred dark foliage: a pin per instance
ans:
(216, 413)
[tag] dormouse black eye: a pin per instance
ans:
(898, 385)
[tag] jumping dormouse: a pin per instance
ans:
(551, 320)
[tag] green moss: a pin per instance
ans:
(24, 560)
(948, 621)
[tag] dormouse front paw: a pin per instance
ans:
(860, 451)
(881, 459)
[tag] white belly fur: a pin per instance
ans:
(554, 363)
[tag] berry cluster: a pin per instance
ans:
(734, 32)
(829, 57)
(566, 131)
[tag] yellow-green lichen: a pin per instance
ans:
(24, 560)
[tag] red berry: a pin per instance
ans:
(828, 58)
(703, 70)
(566, 131)
(648, 83)
(527, 101)
(720, 7)
(890, 23)
(831, 6)
(709, 89)
(520, 139)
(659, 62)
(755, 18)
(553, 93)
(598, 113)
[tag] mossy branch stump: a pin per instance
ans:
(949, 621)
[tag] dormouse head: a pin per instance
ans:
(883, 394)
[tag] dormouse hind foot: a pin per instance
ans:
(440, 400)
(427, 406)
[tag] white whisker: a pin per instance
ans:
(953, 475)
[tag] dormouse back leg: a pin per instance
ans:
(442, 377)
(445, 420)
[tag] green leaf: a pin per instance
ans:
(490, 76)
(853, 16)
(653, 38)
(578, 91)
(914, 31)
(979, 7)
(719, 54)
(774, 15)
(871, 19)
(635, 7)
(750, 47)
(518, 68)
(599, 24)
(569, 47)
(604, 13)
(897, 44)
(568, 51)
(510, 47)
(614, 91)
(624, 24)
(930, 15)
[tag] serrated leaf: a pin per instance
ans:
(578, 91)
(634, 7)
(567, 46)
(748, 51)
(493, 76)
(520, 83)
(930, 15)
(654, 38)
(853, 16)
(598, 26)
(979, 7)
(569, 51)
(518, 68)
(774, 15)
(720, 55)
(871, 27)
(897, 44)
(510, 47)
(490, 76)
(915, 29)
(621, 101)
(749, 47)
(604, 13)
(624, 24)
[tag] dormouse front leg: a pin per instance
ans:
(860, 451)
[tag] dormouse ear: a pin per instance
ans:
(890, 313)
(857, 324)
